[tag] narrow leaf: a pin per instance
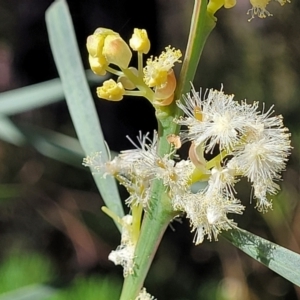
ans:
(53, 144)
(279, 259)
(10, 133)
(29, 97)
(79, 99)
(36, 95)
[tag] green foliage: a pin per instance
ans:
(23, 276)
(23, 269)
(281, 260)
(94, 287)
(78, 96)
(24, 273)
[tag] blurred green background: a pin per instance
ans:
(51, 228)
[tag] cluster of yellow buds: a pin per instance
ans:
(258, 7)
(156, 81)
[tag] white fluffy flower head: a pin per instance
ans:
(244, 142)
(229, 140)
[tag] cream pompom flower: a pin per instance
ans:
(248, 143)
(208, 215)
(214, 120)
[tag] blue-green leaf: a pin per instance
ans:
(36, 95)
(53, 144)
(29, 97)
(79, 99)
(279, 259)
(10, 133)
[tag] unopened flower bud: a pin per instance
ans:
(94, 45)
(140, 41)
(111, 90)
(215, 5)
(108, 47)
(96, 66)
(95, 42)
(229, 3)
(116, 51)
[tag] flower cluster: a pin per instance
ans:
(240, 140)
(249, 143)
(156, 81)
(137, 168)
(258, 7)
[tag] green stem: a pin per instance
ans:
(160, 211)
(202, 25)
(154, 225)
(139, 83)
(140, 64)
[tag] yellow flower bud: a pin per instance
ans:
(94, 45)
(111, 90)
(96, 66)
(116, 51)
(215, 5)
(106, 46)
(140, 41)
(229, 3)
(95, 42)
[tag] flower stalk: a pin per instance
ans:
(246, 143)
(160, 211)
(155, 222)
(202, 24)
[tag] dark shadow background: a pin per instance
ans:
(56, 209)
